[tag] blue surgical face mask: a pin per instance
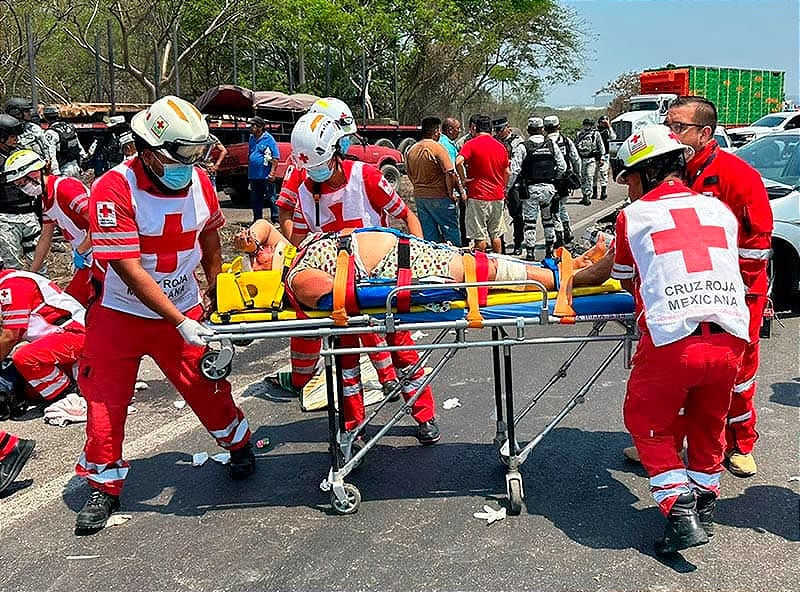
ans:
(319, 174)
(344, 144)
(176, 176)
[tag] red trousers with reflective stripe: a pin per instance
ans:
(305, 354)
(115, 345)
(42, 362)
(740, 433)
(423, 408)
(695, 374)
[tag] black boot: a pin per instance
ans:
(243, 462)
(594, 192)
(568, 236)
(706, 504)
(391, 389)
(559, 240)
(548, 250)
(428, 432)
(96, 511)
(585, 201)
(683, 527)
(12, 464)
(603, 193)
(530, 254)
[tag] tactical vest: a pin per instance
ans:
(12, 200)
(539, 165)
(67, 149)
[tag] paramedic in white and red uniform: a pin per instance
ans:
(45, 329)
(294, 177)
(676, 252)
(65, 203)
(154, 218)
(338, 194)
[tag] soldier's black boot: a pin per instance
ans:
(568, 236)
(683, 527)
(530, 255)
(603, 193)
(706, 504)
(594, 192)
(548, 250)
(559, 240)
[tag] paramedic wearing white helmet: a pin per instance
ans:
(294, 177)
(337, 110)
(65, 203)
(154, 218)
(339, 194)
(676, 252)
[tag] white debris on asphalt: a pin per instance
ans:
(417, 335)
(451, 403)
(794, 478)
(179, 404)
(199, 459)
(118, 519)
(490, 515)
(141, 385)
(222, 458)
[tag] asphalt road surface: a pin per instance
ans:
(588, 520)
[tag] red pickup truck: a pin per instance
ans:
(232, 173)
(228, 107)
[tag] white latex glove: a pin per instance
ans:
(490, 514)
(192, 331)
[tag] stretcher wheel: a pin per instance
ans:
(514, 497)
(207, 368)
(349, 505)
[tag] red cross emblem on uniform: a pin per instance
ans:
(691, 238)
(106, 210)
(303, 158)
(167, 245)
(339, 223)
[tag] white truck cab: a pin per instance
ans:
(643, 110)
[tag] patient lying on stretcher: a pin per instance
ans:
(375, 256)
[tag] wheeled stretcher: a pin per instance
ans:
(461, 316)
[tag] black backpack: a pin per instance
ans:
(539, 165)
(67, 149)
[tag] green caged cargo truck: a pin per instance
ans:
(741, 95)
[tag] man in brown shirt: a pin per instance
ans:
(432, 173)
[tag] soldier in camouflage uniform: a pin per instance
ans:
(32, 136)
(19, 213)
(561, 220)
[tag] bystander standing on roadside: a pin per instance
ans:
(451, 129)
(433, 176)
(262, 162)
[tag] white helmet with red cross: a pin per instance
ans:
(640, 149)
(337, 110)
(314, 140)
(175, 127)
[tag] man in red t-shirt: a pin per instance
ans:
(487, 164)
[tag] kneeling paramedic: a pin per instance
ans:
(676, 252)
(42, 333)
(154, 218)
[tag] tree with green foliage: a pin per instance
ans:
(622, 88)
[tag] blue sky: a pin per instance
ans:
(639, 34)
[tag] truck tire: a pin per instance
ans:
(405, 145)
(385, 142)
(392, 174)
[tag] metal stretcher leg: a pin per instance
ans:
(514, 487)
(500, 424)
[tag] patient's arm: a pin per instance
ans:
(596, 273)
(309, 285)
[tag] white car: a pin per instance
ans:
(774, 122)
(723, 139)
(777, 158)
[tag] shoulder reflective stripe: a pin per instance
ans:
(758, 254)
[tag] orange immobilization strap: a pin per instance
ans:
(563, 307)
(474, 317)
(340, 285)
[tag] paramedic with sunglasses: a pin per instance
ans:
(153, 219)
